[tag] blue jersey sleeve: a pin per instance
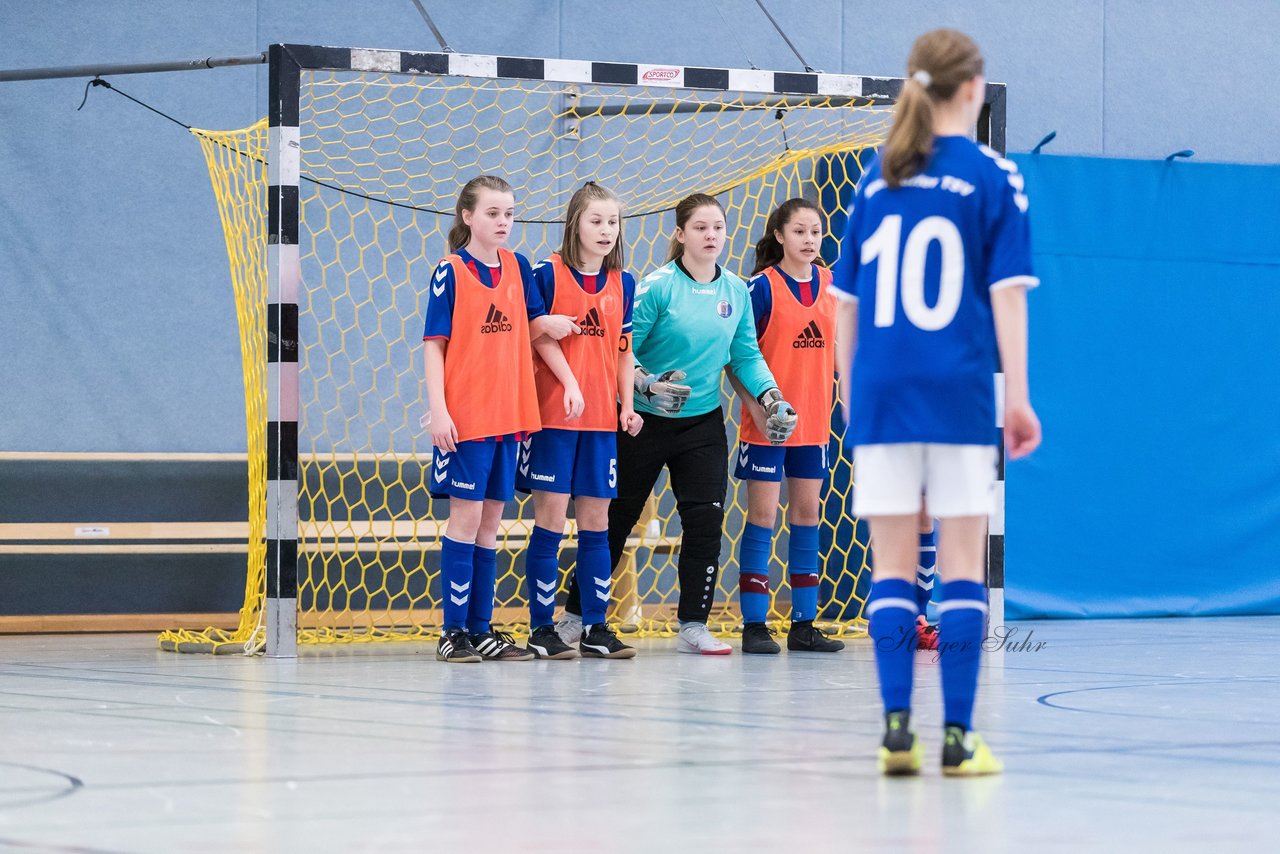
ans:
(761, 301)
(544, 281)
(628, 300)
(1008, 231)
(439, 323)
(535, 305)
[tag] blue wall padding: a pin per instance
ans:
(1155, 369)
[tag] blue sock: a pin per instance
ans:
(961, 627)
(753, 572)
(892, 625)
(925, 571)
(594, 573)
(802, 569)
(541, 572)
(484, 580)
(455, 581)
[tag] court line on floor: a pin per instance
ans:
(567, 706)
(276, 721)
(265, 680)
(23, 844)
(1045, 700)
(74, 785)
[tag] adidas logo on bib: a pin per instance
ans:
(810, 338)
(590, 324)
(496, 321)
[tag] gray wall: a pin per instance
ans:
(117, 329)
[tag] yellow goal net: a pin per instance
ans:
(382, 157)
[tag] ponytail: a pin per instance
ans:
(460, 233)
(911, 138)
(939, 63)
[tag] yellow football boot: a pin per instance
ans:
(965, 754)
(901, 752)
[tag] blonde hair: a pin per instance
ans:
(939, 63)
(571, 246)
(460, 233)
(684, 210)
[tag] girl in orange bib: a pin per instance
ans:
(578, 458)
(482, 313)
(795, 314)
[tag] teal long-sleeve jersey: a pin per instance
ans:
(681, 324)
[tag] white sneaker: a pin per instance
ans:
(569, 628)
(696, 639)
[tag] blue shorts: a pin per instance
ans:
(766, 462)
(478, 470)
(574, 462)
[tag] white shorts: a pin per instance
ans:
(956, 480)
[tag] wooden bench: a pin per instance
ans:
(99, 541)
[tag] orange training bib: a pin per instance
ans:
(592, 355)
(799, 346)
(488, 366)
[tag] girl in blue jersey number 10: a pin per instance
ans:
(934, 270)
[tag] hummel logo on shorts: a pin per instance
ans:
(810, 337)
(496, 321)
(591, 324)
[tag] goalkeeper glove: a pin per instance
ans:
(782, 417)
(663, 391)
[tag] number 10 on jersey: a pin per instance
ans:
(905, 273)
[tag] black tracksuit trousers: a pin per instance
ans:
(696, 452)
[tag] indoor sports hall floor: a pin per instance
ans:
(1152, 735)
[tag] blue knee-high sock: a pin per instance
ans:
(484, 581)
(594, 572)
(925, 571)
(455, 581)
(892, 626)
(802, 569)
(753, 572)
(960, 631)
(541, 572)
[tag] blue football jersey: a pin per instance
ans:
(922, 261)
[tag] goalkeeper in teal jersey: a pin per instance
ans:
(691, 320)
(680, 324)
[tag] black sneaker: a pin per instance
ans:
(600, 642)
(806, 637)
(900, 752)
(545, 643)
(757, 639)
(455, 647)
(499, 646)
